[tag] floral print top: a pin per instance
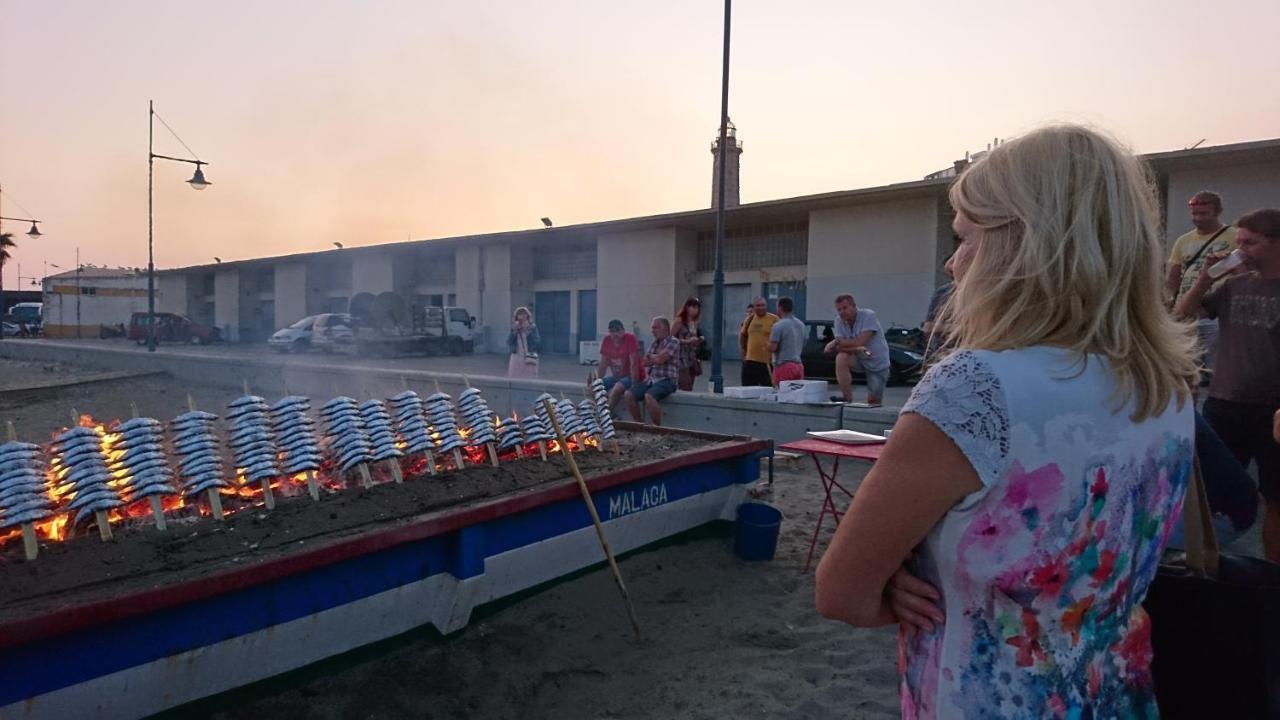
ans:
(1043, 571)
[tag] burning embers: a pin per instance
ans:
(138, 470)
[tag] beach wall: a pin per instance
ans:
(270, 376)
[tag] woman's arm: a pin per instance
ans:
(920, 476)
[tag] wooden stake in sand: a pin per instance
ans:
(268, 498)
(29, 545)
(458, 461)
(617, 450)
(313, 487)
(100, 517)
(595, 519)
(215, 500)
(157, 510)
(492, 447)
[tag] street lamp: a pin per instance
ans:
(33, 233)
(197, 182)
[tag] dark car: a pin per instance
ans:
(905, 363)
(172, 327)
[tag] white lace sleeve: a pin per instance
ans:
(963, 397)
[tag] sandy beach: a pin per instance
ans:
(723, 639)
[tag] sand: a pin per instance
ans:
(723, 639)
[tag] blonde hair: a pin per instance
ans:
(1070, 256)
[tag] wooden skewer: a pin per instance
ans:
(595, 520)
(30, 547)
(493, 453)
(365, 478)
(396, 473)
(157, 510)
(268, 498)
(313, 487)
(460, 461)
(100, 517)
(215, 500)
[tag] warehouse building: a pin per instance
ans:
(80, 304)
(884, 244)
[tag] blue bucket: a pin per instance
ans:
(756, 534)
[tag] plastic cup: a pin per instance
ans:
(1227, 264)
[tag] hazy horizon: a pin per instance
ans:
(383, 121)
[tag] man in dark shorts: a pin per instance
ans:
(1244, 394)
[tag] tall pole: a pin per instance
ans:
(2, 305)
(151, 260)
(717, 349)
(77, 293)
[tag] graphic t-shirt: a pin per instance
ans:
(1185, 247)
(1247, 368)
(616, 357)
(1042, 572)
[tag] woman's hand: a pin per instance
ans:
(913, 602)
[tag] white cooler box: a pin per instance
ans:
(588, 352)
(803, 392)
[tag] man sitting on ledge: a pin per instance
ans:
(661, 373)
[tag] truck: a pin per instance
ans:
(385, 325)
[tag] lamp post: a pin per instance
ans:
(33, 233)
(717, 348)
(197, 182)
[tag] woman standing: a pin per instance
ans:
(687, 333)
(1013, 523)
(523, 342)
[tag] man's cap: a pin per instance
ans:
(616, 325)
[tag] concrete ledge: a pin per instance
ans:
(271, 376)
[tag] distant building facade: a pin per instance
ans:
(884, 244)
(79, 304)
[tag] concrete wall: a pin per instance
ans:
(172, 294)
(315, 377)
(291, 293)
(226, 299)
(885, 254)
(373, 273)
(1243, 188)
(641, 277)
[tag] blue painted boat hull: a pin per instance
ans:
(138, 655)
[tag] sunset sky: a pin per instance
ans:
(376, 121)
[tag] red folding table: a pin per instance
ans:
(813, 447)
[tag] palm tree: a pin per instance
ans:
(6, 242)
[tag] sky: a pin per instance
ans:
(372, 121)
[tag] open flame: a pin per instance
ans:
(242, 494)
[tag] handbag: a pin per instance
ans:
(531, 359)
(1215, 626)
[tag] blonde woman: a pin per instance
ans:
(523, 342)
(1013, 523)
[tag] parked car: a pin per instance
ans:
(172, 327)
(333, 332)
(10, 329)
(905, 364)
(295, 338)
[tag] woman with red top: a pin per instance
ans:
(686, 332)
